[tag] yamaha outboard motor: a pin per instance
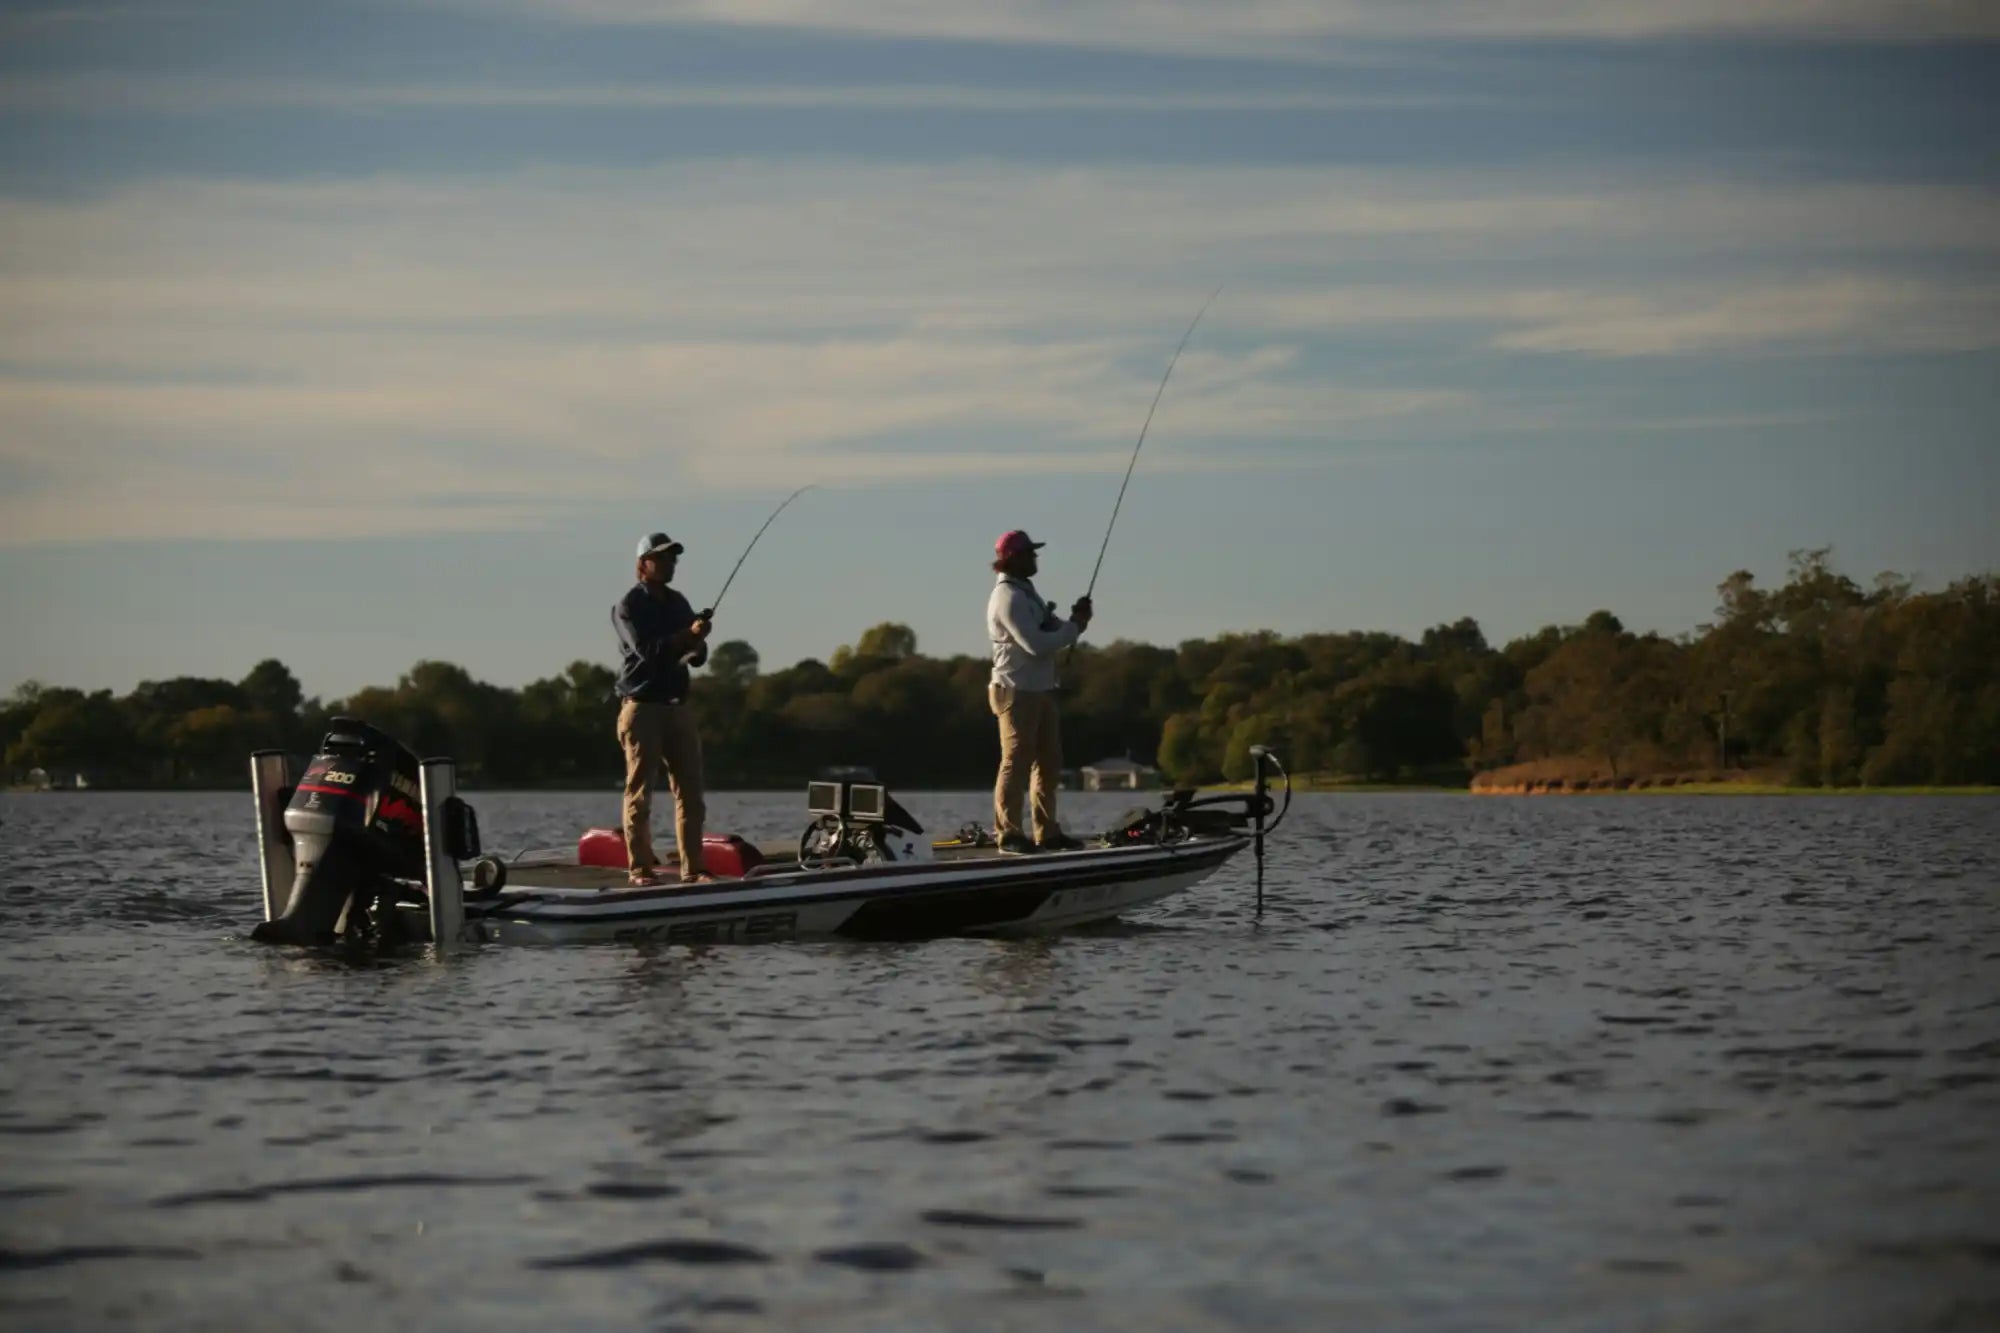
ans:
(356, 823)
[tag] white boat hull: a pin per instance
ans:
(370, 843)
(990, 895)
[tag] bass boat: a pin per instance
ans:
(369, 843)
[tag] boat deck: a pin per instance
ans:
(779, 856)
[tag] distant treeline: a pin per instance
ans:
(1839, 684)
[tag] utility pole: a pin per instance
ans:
(1722, 730)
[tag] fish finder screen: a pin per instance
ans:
(823, 798)
(864, 801)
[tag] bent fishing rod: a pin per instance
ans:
(1171, 362)
(752, 546)
(709, 613)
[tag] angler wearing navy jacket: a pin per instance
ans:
(660, 635)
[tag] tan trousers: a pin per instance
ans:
(652, 734)
(1030, 738)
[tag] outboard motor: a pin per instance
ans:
(356, 823)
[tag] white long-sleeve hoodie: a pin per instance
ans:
(1024, 653)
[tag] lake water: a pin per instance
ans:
(1582, 1063)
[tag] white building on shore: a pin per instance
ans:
(1119, 775)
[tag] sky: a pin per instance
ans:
(358, 334)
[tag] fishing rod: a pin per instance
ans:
(746, 550)
(1172, 361)
(1142, 439)
(709, 614)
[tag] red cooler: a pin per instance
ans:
(723, 855)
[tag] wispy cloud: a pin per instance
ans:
(181, 358)
(1834, 312)
(1293, 28)
(55, 14)
(99, 94)
(534, 428)
(730, 249)
(1840, 311)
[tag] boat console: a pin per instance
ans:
(858, 823)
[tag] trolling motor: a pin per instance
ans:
(355, 827)
(1183, 814)
(1261, 756)
(858, 823)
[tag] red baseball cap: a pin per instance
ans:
(1016, 542)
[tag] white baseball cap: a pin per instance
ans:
(658, 543)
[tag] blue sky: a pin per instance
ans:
(356, 334)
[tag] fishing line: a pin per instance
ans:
(1142, 437)
(709, 614)
(753, 543)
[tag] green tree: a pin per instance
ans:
(74, 733)
(1256, 729)
(733, 662)
(887, 639)
(272, 688)
(1837, 682)
(212, 744)
(16, 713)
(1182, 758)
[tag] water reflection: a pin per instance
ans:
(1018, 969)
(1590, 1059)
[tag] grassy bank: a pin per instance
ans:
(1581, 776)
(1785, 789)
(1452, 781)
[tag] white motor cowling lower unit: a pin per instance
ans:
(355, 822)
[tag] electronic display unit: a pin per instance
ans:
(866, 800)
(824, 798)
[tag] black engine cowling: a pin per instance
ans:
(357, 827)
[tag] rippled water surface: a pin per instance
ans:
(1632, 1062)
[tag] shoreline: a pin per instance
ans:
(1306, 784)
(1642, 787)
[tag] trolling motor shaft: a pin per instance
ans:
(1263, 807)
(1184, 812)
(1258, 756)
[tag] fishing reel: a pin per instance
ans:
(975, 834)
(1053, 619)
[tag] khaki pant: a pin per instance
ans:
(1030, 738)
(652, 734)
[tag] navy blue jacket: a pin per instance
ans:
(652, 672)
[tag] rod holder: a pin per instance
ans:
(443, 886)
(271, 783)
